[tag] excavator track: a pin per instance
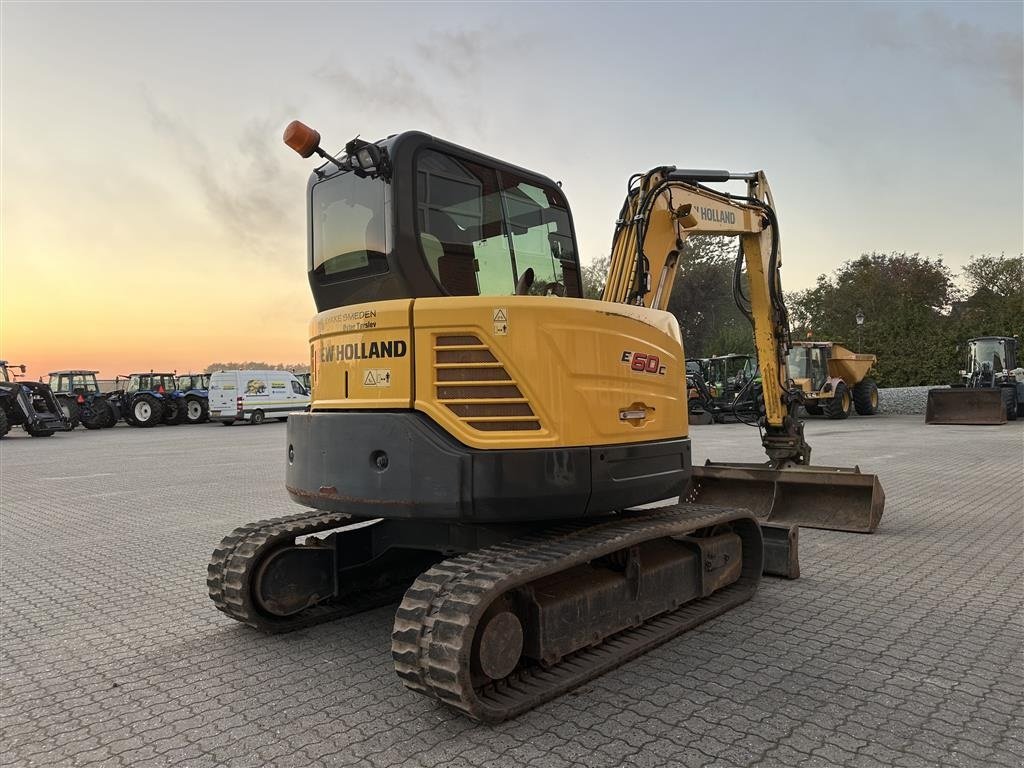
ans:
(235, 564)
(441, 625)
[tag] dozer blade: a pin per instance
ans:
(834, 498)
(963, 405)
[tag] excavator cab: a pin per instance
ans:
(434, 219)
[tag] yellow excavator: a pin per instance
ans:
(486, 445)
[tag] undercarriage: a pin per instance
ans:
(498, 619)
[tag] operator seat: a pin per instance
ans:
(456, 268)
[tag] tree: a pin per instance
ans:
(906, 300)
(594, 276)
(251, 365)
(995, 303)
(702, 299)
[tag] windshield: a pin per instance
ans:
(986, 351)
(74, 383)
(348, 228)
(490, 233)
(726, 371)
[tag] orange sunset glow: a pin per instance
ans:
(152, 218)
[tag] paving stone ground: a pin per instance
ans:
(903, 648)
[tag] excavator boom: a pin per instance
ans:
(662, 208)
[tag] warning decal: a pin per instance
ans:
(500, 319)
(377, 377)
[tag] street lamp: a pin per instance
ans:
(860, 329)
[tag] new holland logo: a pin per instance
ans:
(363, 350)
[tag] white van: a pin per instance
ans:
(255, 396)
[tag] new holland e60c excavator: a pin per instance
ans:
(479, 431)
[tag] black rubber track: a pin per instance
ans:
(239, 555)
(438, 617)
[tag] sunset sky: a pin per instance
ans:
(152, 218)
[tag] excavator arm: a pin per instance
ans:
(668, 205)
(662, 208)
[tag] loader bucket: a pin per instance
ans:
(834, 498)
(963, 405)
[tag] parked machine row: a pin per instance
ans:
(74, 398)
(828, 378)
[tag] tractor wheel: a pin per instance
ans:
(196, 410)
(1010, 398)
(865, 398)
(174, 411)
(39, 432)
(5, 425)
(92, 414)
(145, 411)
(258, 417)
(812, 409)
(841, 404)
(71, 411)
(112, 414)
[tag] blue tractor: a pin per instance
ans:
(83, 403)
(196, 387)
(151, 398)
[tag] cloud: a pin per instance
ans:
(446, 81)
(989, 56)
(243, 184)
(460, 52)
(389, 85)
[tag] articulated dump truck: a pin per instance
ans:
(484, 444)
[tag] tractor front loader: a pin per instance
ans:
(29, 404)
(494, 435)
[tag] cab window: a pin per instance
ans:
(348, 228)
(485, 232)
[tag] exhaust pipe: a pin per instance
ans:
(965, 405)
(833, 498)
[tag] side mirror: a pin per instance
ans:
(22, 368)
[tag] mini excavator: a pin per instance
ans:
(485, 444)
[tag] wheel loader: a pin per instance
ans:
(990, 389)
(480, 437)
(833, 379)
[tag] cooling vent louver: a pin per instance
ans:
(474, 386)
